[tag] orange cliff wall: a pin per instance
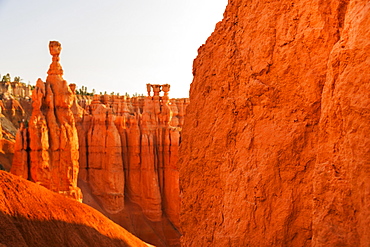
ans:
(128, 160)
(47, 151)
(276, 142)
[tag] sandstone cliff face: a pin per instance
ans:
(275, 147)
(51, 137)
(128, 160)
(31, 215)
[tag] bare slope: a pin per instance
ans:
(31, 215)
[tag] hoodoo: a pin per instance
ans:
(51, 139)
(128, 160)
(121, 151)
(276, 142)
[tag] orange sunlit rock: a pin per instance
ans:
(52, 135)
(31, 215)
(105, 172)
(128, 160)
(123, 149)
(276, 143)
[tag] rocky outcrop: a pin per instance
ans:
(7, 143)
(123, 150)
(105, 165)
(51, 139)
(15, 101)
(15, 88)
(12, 115)
(31, 215)
(128, 160)
(16, 110)
(275, 147)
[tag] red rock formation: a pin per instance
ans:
(53, 140)
(275, 147)
(127, 152)
(341, 186)
(20, 161)
(16, 111)
(105, 174)
(31, 215)
(15, 88)
(7, 143)
(143, 135)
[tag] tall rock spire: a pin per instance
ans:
(55, 68)
(52, 135)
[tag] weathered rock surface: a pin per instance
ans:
(15, 88)
(106, 174)
(16, 111)
(128, 160)
(7, 143)
(51, 137)
(275, 148)
(13, 112)
(31, 215)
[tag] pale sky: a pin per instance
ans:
(110, 45)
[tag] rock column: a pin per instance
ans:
(53, 140)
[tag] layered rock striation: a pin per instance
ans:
(47, 152)
(275, 147)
